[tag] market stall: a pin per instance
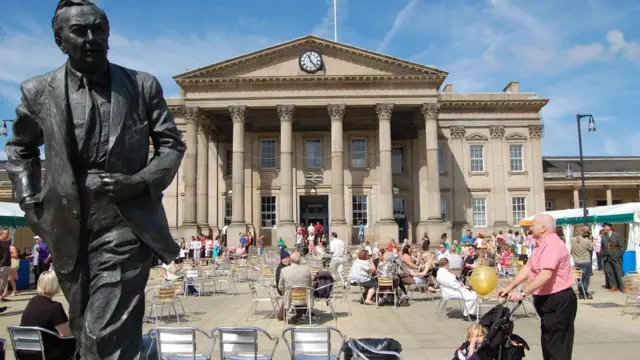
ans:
(626, 216)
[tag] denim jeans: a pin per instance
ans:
(260, 251)
(586, 276)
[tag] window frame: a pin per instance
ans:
(228, 161)
(550, 202)
(471, 158)
(403, 169)
(513, 209)
(262, 157)
(442, 159)
(228, 211)
(355, 223)
(473, 212)
(307, 157)
(511, 159)
(273, 212)
(443, 208)
(351, 152)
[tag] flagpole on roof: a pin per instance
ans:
(335, 20)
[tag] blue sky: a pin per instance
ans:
(582, 54)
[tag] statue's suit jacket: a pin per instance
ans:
(138, 113)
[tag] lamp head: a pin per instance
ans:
(4, 131)
(313, 191)
(396, 191)
(592, 123)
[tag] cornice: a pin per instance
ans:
(495, 106)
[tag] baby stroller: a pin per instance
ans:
(501, 343)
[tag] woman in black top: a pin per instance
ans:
(43, 312)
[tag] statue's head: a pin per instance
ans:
(81, 30)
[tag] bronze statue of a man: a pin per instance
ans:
(99, 207)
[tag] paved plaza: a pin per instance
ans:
(600, 329)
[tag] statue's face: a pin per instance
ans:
(84, 37)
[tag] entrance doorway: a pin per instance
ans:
(400, 215)
(313, 209)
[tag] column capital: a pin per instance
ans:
(536, 131)
(336, 111)
(496, 131)
(192, 113)
(286, 112)
(238, 112)
(457, 131)
(384, 111)
(430, 110)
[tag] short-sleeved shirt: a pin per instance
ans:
(468, 239)
(551, 253)
(360, 271)
(45, 313)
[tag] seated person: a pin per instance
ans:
(361, 274)
(416, 271)
(389, 268)
(294, 275)
(475, 336)
(470, 261)
(453, 289)
(455, 260)
(43, 312)
(175, 272)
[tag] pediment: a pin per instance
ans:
(282, 61)
(477, 136)
(515, 136)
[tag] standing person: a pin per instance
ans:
(500, 242)
(15, 265)
(260, 245)
(445, 241)
(361, 233)
(34, 255)
(468, 238)
(581, 247)
(195, 248)
(613, 247)
(425, 242)
(5, 262)
(551, 283)
(224, 233)
(319, 232)
(598, 249)
(337, 249)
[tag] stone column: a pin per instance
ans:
(286, 228)
(189, 206)
(387, 226)
(536, 132)
(435, 225)
(460, 189)
(202, 181)
(576, 198)
(422, 186)
(609, 196)
(338, 222)
(500, 203)
(238, 224)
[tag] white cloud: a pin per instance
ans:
(325, 28)
(585, 53)
(618, 44)
(401, 18)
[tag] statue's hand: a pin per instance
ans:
(30, 206)
(121, 186)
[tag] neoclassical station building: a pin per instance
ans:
(314, 130)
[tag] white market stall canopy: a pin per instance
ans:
(11, 215)
(614, 214)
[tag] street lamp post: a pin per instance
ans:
(591, 127)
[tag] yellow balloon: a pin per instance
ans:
(484, 280)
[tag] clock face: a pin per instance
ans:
(310, 62)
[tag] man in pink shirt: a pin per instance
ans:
(550, 280)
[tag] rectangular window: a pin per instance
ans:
(268, 154)
(227, 212)
(313, 152)
(268, 212)
(359, 212)
(228, 161)
(477, 158)
(441, 159)
(549, 205)
(443, 209)
(516, 158)
(397, 160)
(479, 205)
(519, 209)
(358, 152)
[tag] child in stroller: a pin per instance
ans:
(493, 338)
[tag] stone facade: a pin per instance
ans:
(366, 138)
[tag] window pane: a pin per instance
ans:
(443, 209)
(477, 158)
(268, 154)
(549, 205)
(479, 206)
(227, 212)
(359, 212)
(313, 150)
(268, 211)
(399, 207)
(516, 158)
(441, 158)
(397, 160)
(519, 209)
(229, 161)
(358, 153)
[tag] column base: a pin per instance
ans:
(188, 230)
(233, 230)
(387, 230)
(343, 230)
(287, 231)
